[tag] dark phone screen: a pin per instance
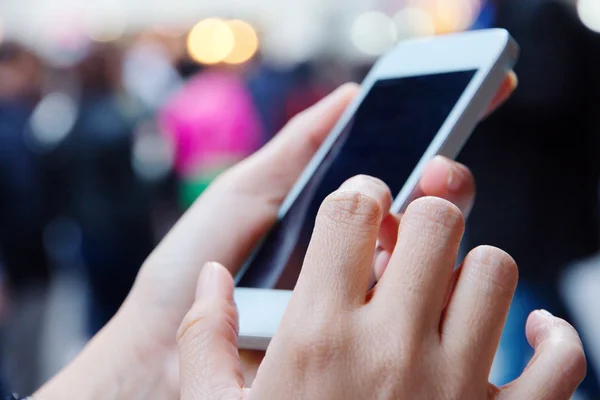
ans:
(387, 137)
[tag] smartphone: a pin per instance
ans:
(422, 99)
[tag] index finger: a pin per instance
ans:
(341, 250)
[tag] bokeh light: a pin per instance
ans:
(153, 156)
(373, 33)
(53, 119)
(109, 25)
(452, 16)
(170, 31)
(589, 12)
(414, 22)
(211, 41)
(246, 42)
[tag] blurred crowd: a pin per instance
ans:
(99, 157)
(101, 149)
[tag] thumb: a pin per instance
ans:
(209, 364)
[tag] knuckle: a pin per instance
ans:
(312, 136)
(434, 216)
(575, 363)
(352, 209)
(564, 343)
(496, 268)
(571, 366)
(313, 139)
(207, 322)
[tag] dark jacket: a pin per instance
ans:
(537, 160)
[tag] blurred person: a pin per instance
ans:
(134, 356)
(23, 213)
(270, 86)
(150, 72)
(94, 184)
(537, 166)
(212, 124)
(309, 87)
(3, 311)
(151, 76)
(188, 68)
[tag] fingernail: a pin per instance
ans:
(370, 186)
(456, 176)
(546, 313)
(514, 80)
(208, 282)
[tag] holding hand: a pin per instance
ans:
(135, 355)
(424, 332)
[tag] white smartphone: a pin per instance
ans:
(422, 99)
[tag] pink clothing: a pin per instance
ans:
(211, 121)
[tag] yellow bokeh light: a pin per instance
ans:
(452, 16)
(246, 42)
(211, 41)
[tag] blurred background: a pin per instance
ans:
(115, 115)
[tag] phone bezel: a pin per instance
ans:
(491, 52)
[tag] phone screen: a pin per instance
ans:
(387, 137)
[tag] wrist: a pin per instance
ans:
(117, 364)
(92, 375)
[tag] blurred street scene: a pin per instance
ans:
(115, 115)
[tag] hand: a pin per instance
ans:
(135, 355)
(423, 332)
